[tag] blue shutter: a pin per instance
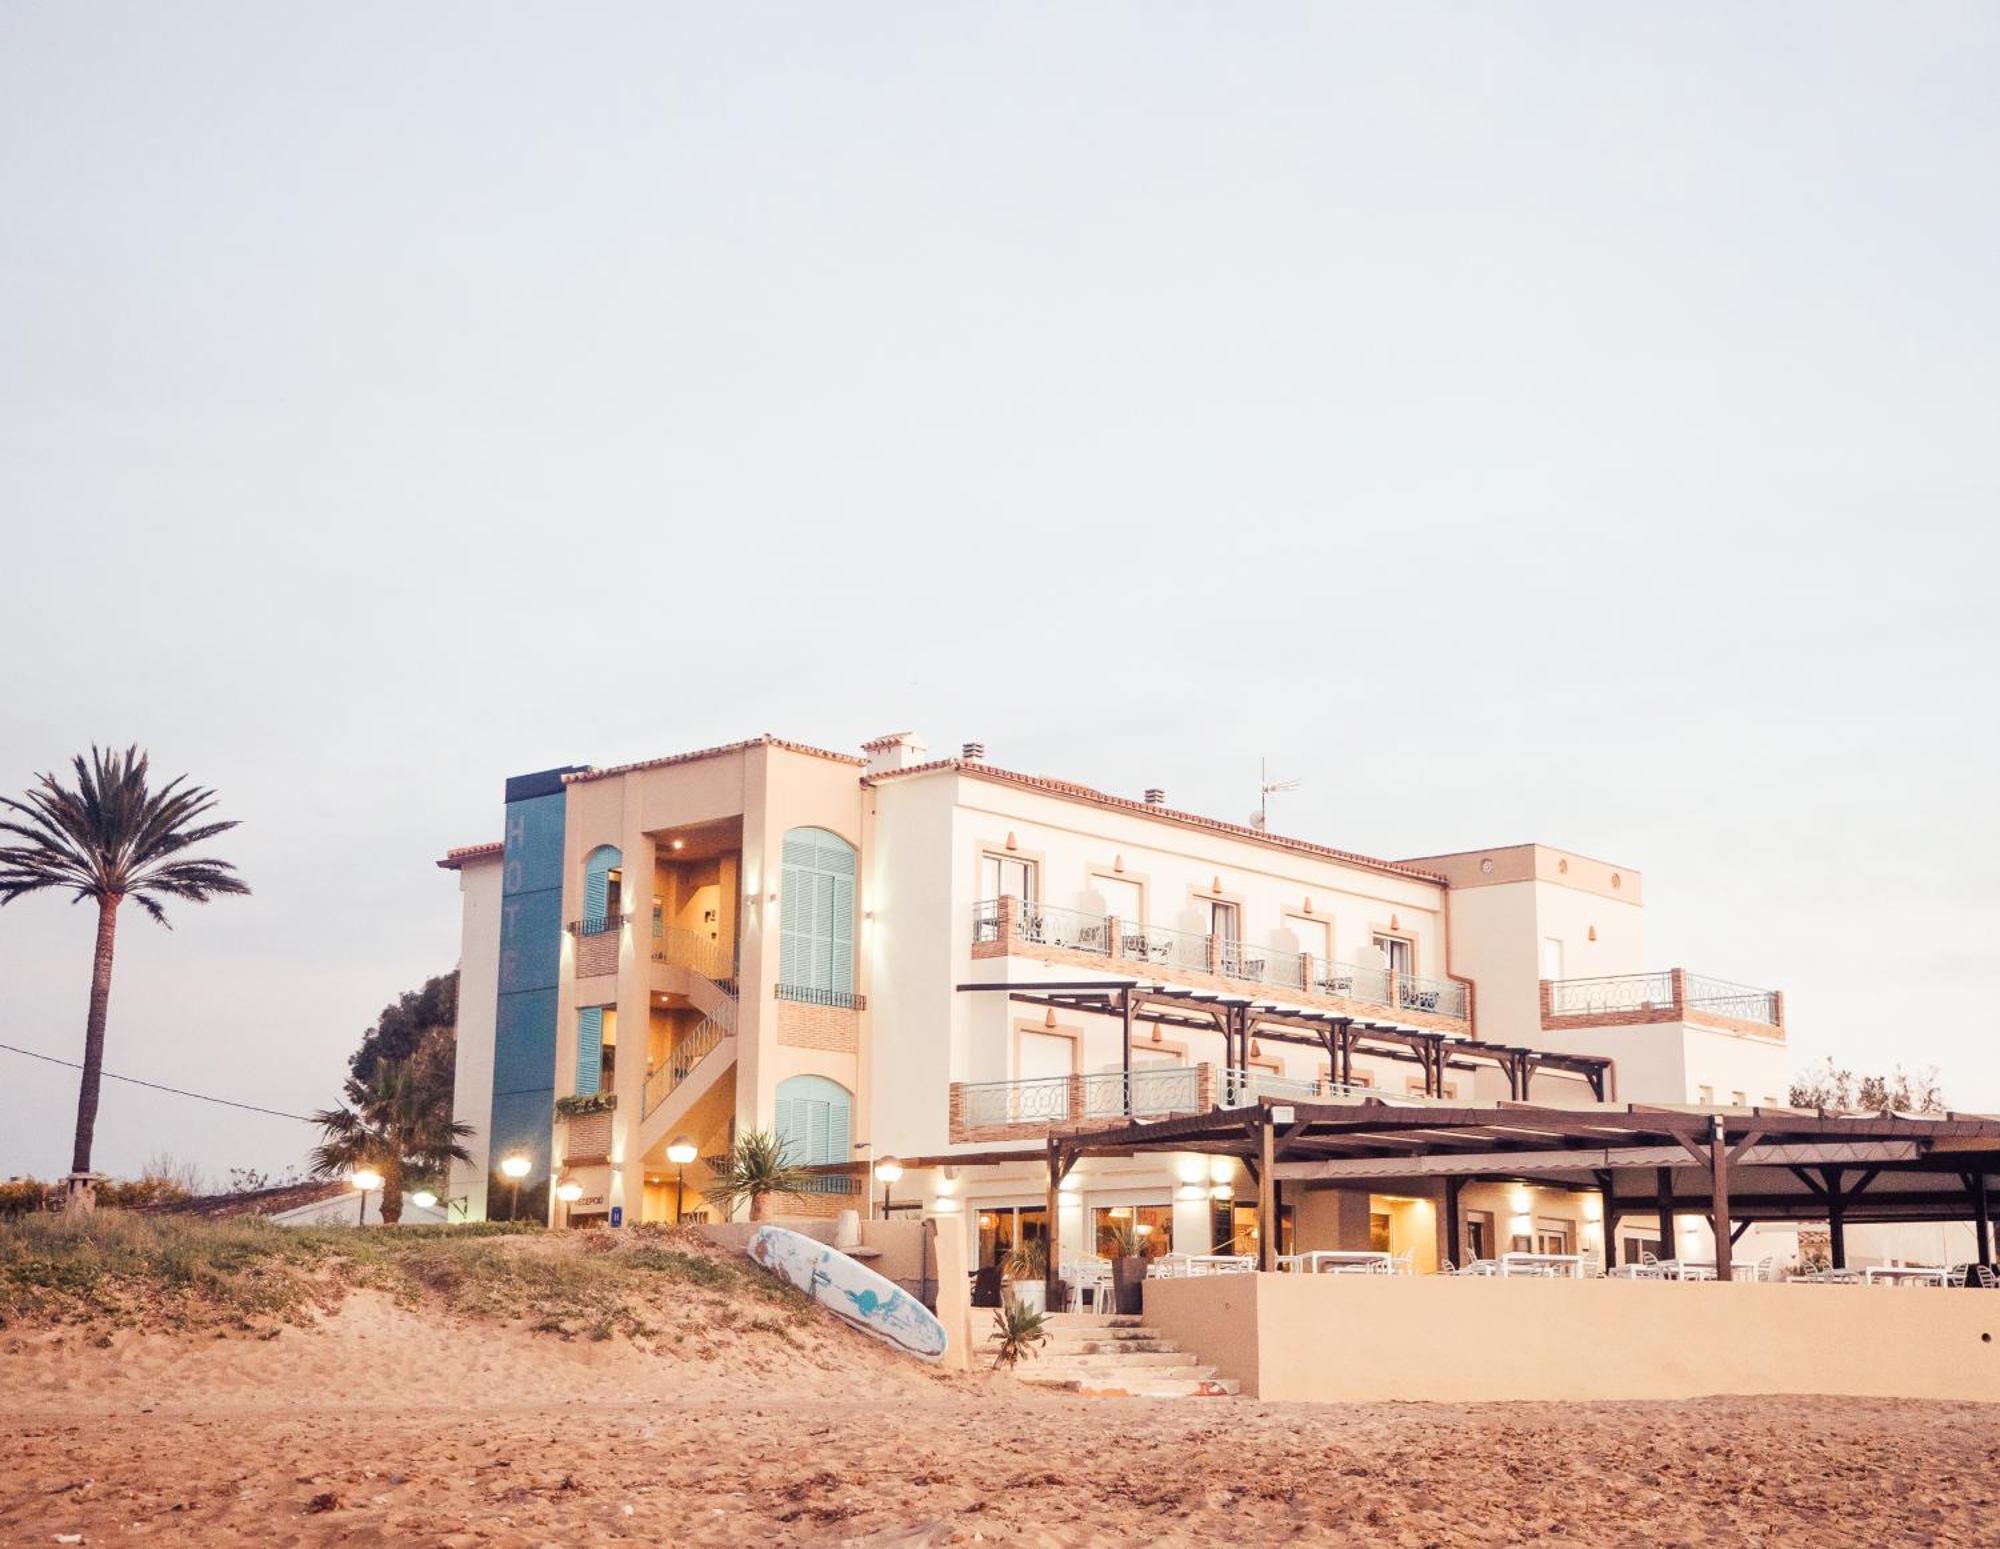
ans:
(840, 968)
(597, 869)
(815, 1120)
(589, 1048)
(816, 944)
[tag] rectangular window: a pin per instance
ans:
(1478, 1235)
(1044, 1055)
(1123, 901)
(1152, 1225)
(1400, 954)
(1223, 921)
(1315, 937)
(1552, 1236)
(1006, 876)
(1378, 1232)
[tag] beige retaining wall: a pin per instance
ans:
(1353, 1337)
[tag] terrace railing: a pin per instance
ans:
(1192, 952)
(1151, 1091)
(1664, 995)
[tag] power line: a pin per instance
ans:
(176, 1091)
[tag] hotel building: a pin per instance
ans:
(942, 960)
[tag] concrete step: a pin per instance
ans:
(1087, 1360)
(1172, 1371)
(1141, 1387)
(1093, 1321)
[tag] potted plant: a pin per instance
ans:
(1126, 1250)
(1027, 1267)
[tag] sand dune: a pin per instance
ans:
(383, 1425)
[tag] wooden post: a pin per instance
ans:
(1718, 1182)
(1607, 1216)
(1267, 1195)
(1836, 1217)
(1663, 1185)
(1452, 1188)
(1982, 1219)
(1052, 1284)
(1125, 1047)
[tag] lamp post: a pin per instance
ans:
(888, 1170)
(364, 1179)
(514, 1168)
(569, 1193)
(423, 1199)
(680, 1151)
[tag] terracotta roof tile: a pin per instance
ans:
(765, 741)
(465, 854)
(984, 771)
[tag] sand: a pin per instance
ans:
(381, 1426)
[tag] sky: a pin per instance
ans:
(1559, 422)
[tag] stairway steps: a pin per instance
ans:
(1141, 1387)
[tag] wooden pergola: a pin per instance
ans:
(1241, 1019)
(1747, 1165)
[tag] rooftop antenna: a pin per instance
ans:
(1265, 786)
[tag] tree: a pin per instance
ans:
(756, 1170)
(1837, 1091)
(414, 1018)
(110, 837)
(395, 1123)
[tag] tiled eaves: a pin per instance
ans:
(466, 854)
(765, 741)
(1074, 792)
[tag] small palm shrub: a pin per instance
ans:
(1019, 1330)
(757, 1171)
(1027, 1260)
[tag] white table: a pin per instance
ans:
(1221, 1264)
(1560, 1265)
(1905, 1274)
(1338, 1261)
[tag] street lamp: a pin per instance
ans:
(423, 1199)
(514, 1168)
(680, 1151)
(888, 1170)
(364, 1179)
(569, 1193)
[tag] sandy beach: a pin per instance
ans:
(378, 1426)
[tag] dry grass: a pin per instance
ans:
(116, 1271)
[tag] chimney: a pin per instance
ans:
(897, 750)
(972, 752)
(1155, 797)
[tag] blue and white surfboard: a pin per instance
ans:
(851, 1291)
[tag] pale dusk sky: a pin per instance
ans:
(1525, 422)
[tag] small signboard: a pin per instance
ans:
(617, 1215)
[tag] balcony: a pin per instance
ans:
(995, 1110)
(1666, 995)
(1004, 925)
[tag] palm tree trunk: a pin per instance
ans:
(760, 1207)
(392, 1191)
(93, 1040)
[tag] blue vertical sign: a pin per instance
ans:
(524, 1039)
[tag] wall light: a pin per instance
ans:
(945, 1205)
(1222, 1191)
(680, 844)
(1190, 1192)
(1520, 1199)
(1593, 1207)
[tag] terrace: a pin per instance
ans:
(1664, 995)
(1003, 926)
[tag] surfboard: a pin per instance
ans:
(851, 1291)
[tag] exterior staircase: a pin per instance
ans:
(1117, 1357)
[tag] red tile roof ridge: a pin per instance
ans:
(986, 771)
(458, 855)
(666, 760)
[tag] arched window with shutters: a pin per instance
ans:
(816, 914)
(815, 1122)
(602, 874)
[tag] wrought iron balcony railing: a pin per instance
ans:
(1190, 952)
(1151, 1091)
(1663, 995)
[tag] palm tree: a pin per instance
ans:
(110, 838)
(398, 1124)
(756, 1170)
